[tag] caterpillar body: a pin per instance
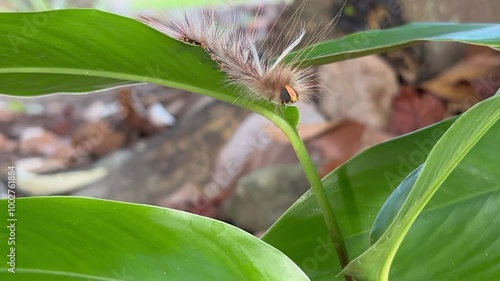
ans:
(234, 50)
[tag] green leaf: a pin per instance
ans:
(392, 206)
(465, 149)
(357, 190)
(69, 238)
(87, 50)
(291, 115)
(464, 213)
(84, 50)
(379, 41)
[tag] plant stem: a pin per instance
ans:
(309, 169)
(317, 188)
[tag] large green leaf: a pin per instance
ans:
(466, 172)
(455, 236)
(357, 190)
(84, 50)
(71, 238)
(377, 41)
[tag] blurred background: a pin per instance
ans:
(166, 147)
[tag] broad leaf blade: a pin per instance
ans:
(86, 50)
(69, 238)
(67, 49)
(456, 237)
(357, 190)
(83, 44)
(464, 138)
(392, 206)
(379, 41)
(97, 63)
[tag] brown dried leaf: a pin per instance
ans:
(189, 198)
(459, 83)
(38, 141)
(97, 139)
(337, 145)
(412, 111)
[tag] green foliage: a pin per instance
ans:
(357, 190)
(378, 41)
(438, 224)
(467, 175)
(69, 238)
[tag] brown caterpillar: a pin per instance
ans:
(236, 54)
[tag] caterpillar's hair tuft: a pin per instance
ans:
(233, 49)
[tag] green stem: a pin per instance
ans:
(303, 156)
(316, 185)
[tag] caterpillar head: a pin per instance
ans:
(288, 95)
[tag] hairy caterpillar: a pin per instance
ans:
(234, 51)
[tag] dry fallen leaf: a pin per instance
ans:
(337, 145)
(38, 141)
(136, 117)
(413, 110)
(459, 84)
(97, 139)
